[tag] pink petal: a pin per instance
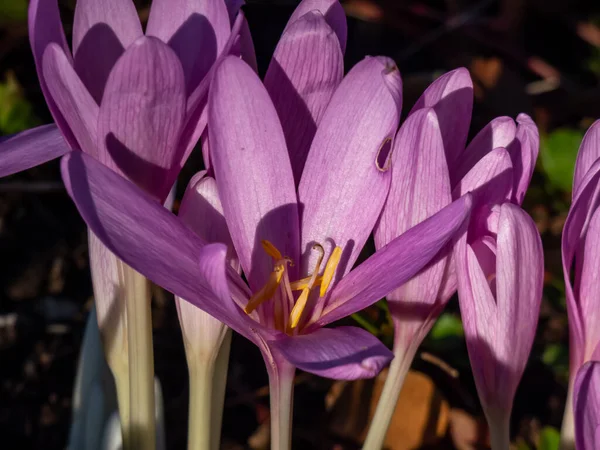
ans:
(102, 30)
(451, 97)
(587, 407)
(72, 98)
(306, 68)
(523, 152)
(142, 114)
(500, 132)
(332, 11)
(196, 30)
(519, 281)
(31, 148)
(420, 188)
(154, 242)
(45, 27)
(346, 177)
(344, 353)
(589, 152)
(396, 263)
(252, 169)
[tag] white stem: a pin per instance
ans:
(207, 393)
(389, 396)
(567, 432)
(281, 392)
(141, 361)
(499, 425)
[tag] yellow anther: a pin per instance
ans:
(271, 250)
(267, 291)
(298, 309)
(329, 271)
(298, 285)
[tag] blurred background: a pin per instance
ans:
(541, 57)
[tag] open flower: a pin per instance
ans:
(296, 246)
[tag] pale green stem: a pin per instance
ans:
(567, 432)
(389, 396)
(141, 361)
(499, 425)
(207, 394)
(281, 392)
(122, 385)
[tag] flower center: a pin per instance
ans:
(279, 277)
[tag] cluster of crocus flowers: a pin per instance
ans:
(580, 263)
(432, 166)
(297, 263)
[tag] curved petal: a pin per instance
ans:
(524, 152)
(202, 212)
(45, 27)
(583, 207)
(519, 283)
(332, 11)
(72, 98)
(141, 116)
(244, 46)
(451, 97)
(346, 177)
(102, 30)
(420, 188)
(306, 68)
(396, 263)
(155, 242)
(500, 132)
(344, 353)
(31, 148)
(589, 152)
(586, 403)
(252, 168)
(196, 30)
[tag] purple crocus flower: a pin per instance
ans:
(587, 406)
(500, 269)
(429, 150)
(580, 255)
(296, 246)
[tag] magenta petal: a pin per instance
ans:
(155, 242)
(142, 114)
(589, 152)
(584, 206)
(102, 30)
(202, 212)
(396, 263)
(196, 30)
(344, 353)
(451, 97)
(252, 169)
(523, 152)
(346, 177)
(45, 27)
(72, 98)
(30, 148)
(500, 132)
(586, 404)
(420, 188)
(332, 11)
(306, 68)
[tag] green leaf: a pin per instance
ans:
(558, 152)
(448, 325)
(16, 113)
(13, 11)
(549, 439)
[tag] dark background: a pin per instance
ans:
(535, 56)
